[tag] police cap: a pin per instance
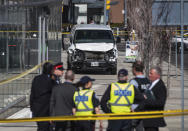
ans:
(59, 66)
(86, 79)
(122, 72)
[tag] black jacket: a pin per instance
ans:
(40, 95)
(143, 83)
(61, 102)
(139, 99)
(160, 93)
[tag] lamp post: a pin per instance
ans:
(104, 12)
(182, 62)
(125, 12)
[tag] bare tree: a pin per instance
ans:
(154, 41)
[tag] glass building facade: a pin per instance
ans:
(30, 33)
(171, 15)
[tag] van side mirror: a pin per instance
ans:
(118, 39)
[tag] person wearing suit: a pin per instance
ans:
(157, 101)
(61, 102)
(40, 96)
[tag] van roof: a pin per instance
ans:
(91, 27)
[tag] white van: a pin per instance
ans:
(92, 47)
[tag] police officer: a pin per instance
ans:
(57, 73)
(141, 83)
(86, 103)
(40, 96)
(118, 98)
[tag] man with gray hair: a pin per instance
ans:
(157, 101)
(61, 102)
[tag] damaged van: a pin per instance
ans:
(92, 47)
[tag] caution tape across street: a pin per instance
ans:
(2, 82)
(134, 115)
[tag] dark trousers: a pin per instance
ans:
(60, 126)
(119, 125)
(85, 125)
(65, 126)
(43, 126)
(151, 128)
(137, 125)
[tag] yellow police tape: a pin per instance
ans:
(13, 31)
(2, 82)
(121, 33)
(115, 31)
(135, 115)
(65, 33)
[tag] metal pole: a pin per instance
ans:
(39, 42)
(125, 12)
(182, 62)
(176, 55)
(22, 54)
(47, 38)
(117, 31)
(104, 12)
(43, 40)
(7, 53)
(47, 53)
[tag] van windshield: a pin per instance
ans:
(93, 36)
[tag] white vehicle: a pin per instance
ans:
(177, 39)
(92, 47)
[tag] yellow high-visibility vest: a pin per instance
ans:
(121, 97)
(83, 102)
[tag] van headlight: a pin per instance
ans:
(109, 55)
(79, 55)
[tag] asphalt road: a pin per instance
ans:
(101, 83)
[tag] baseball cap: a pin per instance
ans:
(122, 72)
(59, 66)
(86, 79)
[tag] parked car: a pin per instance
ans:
(177, 39)
(92, 47)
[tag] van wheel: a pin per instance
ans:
(68, 66)
(68, 63)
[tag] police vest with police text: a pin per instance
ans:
(83, 102)
(121, 97)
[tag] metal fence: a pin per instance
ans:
(14, 92)
(29, 31)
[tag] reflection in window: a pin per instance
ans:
(92, 36)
